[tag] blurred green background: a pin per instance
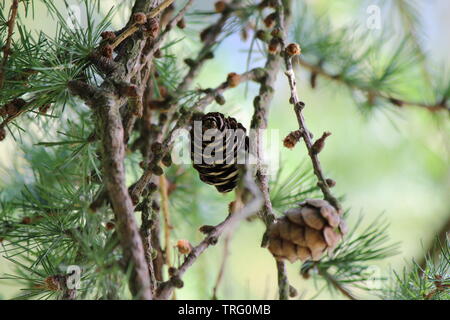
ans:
(395, 164)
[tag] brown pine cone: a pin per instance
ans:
(306, 232)
(215, 145)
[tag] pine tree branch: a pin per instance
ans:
(134, 27)
(441, 237)
(162, 36)
(223, 265)
(210, 40)
(319, 70)
(163, 188)
(23, 109)
(196, 64)
(313, 148)
(283, 281)
(148, 235)
(251, 207)
(113, 151)
(107, 104)
(184, 122)
(7, 47)
(259, 122)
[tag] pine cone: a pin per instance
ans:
(215, 144)
(306, 232)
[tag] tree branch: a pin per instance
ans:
(260, 119)
(184, 122)
(250, 208)
(107, 103)
(319, 70)
(7, 47)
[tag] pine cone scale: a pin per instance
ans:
(306, 232)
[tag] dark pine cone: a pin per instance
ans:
(215, 144)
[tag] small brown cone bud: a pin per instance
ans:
(320, 143)
(277, 33)
(207, 229)
(26, 220)
(19, 103)
(44, 109)
(233, 80)
(52, 283)
(107, 51)
(263, 4)
(244, 34)
(110, 226)
(2, 134)
(292, 139)
(274, 45)
(269, 21)
(157, 147)
(184, 247)
(163, 91)
(220, 99)
(262, 35)
(292, 292)
(152, 187)
(190, 62)
(220, 6)
(108, 35)
(172, 271)
(157, 170)
(3, 112)
(158, 54)
(181, 24)
(204, 34)
(293, 50)
(306, 232)
(11, 109)
(129, 90)
(396, 102)
(209, 55)
(331, 183)
(167, 160)
(152, 26)
(140, 18)
(177, 282)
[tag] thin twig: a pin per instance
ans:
(215, 30)
(20, 112)
(223, 265)
(107, 103)
(319, 70)
(157, 10)
(196, 64)
(306, 135)
(260, 119)
(163, 188)
(147, 235)
(162, 36)
(288, 54)
(337, 285)
(184, 122)
(129, 31)
(7, 47)
(249, 209)
(283, 281)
